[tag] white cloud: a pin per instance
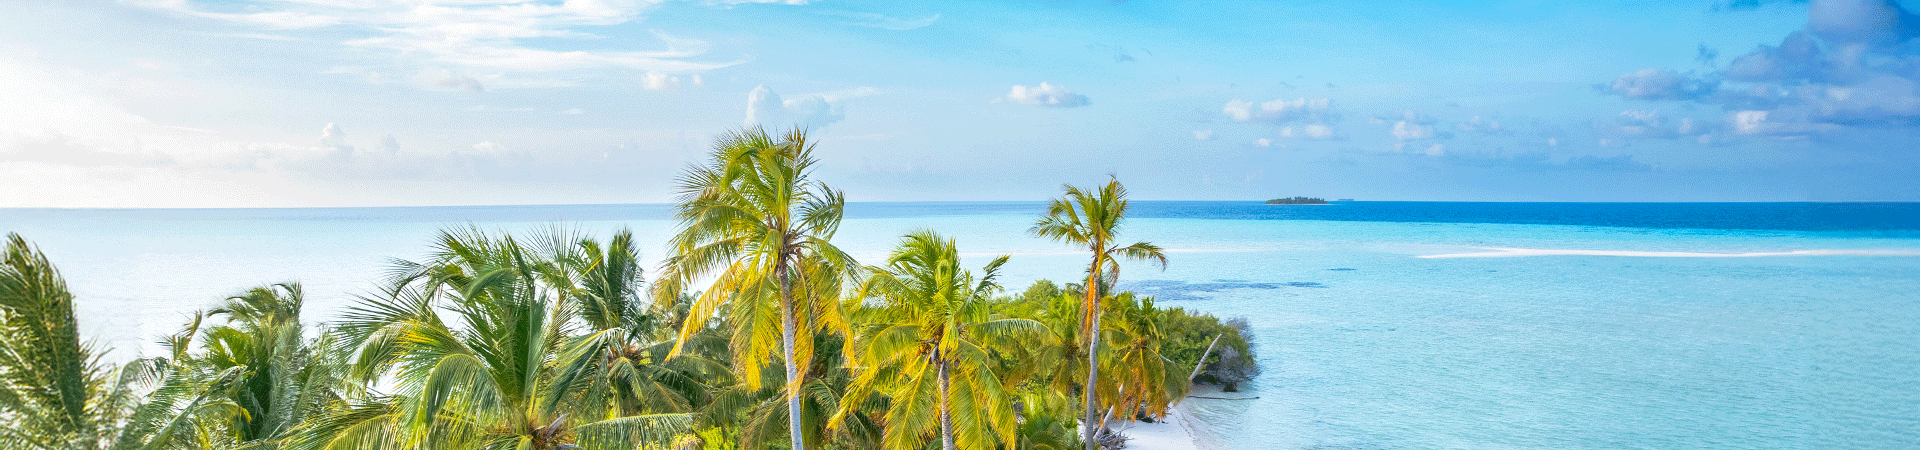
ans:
(1850, 68)
(882, 21)
(656, 81)
(468, 36)
(441, 79)
(1770, 123)
(1654, 125)
(331, 136)
(1313, 131)
(1436, 150)
(65, 142)
(1281, 111)
(1203, 135)
(766, 108)
(1660, 84)
(1749, 122)
(1482, 126)
(573, 111)
(284, 20)
(490, 147)
(1407, 130)
(1045, 94)
(1263, 142)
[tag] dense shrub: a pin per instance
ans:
(1187, 336)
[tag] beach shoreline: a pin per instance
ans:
(1179, 430)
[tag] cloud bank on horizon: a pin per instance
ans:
(236, 103)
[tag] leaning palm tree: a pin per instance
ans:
(755, 220)
(480, 378)
(1092, 219)
(930, 347)
(55, 393)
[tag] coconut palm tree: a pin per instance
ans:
(1141, 381)
(1057, 366)
(930, 347)
(283, 379)
(760, 418)
(621, 363)
(755, 220)
(55, 393)
(481, 378)
(1092, 219)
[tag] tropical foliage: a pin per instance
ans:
(756, 220)
(759, 333)
(1091, 219)
(931, 343)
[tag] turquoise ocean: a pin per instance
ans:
(1379, 325)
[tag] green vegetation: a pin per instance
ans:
(553, 340)
(1091, 219)
(1298, 201)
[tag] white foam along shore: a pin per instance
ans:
(1504, 252)
(1179, 430)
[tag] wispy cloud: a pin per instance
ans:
(462, 38)
(1281, 111)
(1049, 95)
(881, 21)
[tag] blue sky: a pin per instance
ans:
(195, 103)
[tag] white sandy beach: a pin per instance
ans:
(1179, 430)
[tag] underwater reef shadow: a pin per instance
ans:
(1171, 290)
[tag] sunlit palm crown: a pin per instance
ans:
(931, 323)
(487, 377)
(750, 213)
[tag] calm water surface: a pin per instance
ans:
(1367, 344)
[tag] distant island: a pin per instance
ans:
(1298, 201)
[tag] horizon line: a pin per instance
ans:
(1262, 202)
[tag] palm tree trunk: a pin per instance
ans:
(787, 325)
(946, 414)
(1203, 358)
(1088, 423)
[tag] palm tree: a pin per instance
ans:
(1057, 366)
(55, 393)
(1144, 383)
(620, 365)
(760, 416)
(934, 327)
(481, 380)
(282, 379)
(754, 216)
(1092, 219)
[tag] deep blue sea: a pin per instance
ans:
(1380, 325)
